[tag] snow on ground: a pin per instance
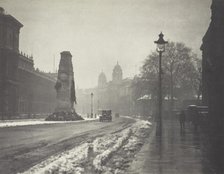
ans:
(139, 132)
(92, 157)
(103, 143)
(129, 141)
(66, 162)
(27, 122)
(101, 159)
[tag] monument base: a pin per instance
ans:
(64, 116)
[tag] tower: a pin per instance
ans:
(117, 74)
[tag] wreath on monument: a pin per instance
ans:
(73, 96)
(57, 85)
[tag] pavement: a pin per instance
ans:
(175, 152)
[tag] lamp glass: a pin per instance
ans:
(161, 47)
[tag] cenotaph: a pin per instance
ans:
(65, 89)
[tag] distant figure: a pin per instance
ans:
(182, 120)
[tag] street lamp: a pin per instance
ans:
(91, 105)
(160, 49)
(98, 106)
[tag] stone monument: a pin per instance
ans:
(65, 88)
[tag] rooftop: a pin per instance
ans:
(9, 17)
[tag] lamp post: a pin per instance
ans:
(91, 105)
(98, 106)
(160, 49)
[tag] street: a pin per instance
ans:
(111, 87)
(23, 146)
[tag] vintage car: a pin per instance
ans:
(106, 116)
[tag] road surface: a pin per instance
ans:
(24, 146)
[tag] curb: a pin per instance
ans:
(136, 167)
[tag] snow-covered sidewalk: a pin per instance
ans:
(27, 122)
(92, 157)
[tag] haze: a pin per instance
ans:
(99, 33)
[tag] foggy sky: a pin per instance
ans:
(98, 33)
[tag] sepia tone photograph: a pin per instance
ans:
(111, 86)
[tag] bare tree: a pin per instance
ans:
(178, 70)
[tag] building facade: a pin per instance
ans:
(213, 84)
(213, 63)
(116, 94)
(23, 90)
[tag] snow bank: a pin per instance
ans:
(140, 126)
(9, 123)
(100, 159)
(140, 130)
(131, 134)
(103, 143)
(67, 162)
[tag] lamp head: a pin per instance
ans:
(161, 43)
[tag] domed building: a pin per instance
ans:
(115, 94)
(117, 75)
(102, 80)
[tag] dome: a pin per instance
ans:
(117, 68)
(102, 77)
(117, 73)
(102, 80)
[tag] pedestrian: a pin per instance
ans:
(182, 120)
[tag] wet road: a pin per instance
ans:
(22, 147)
(176, 152)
